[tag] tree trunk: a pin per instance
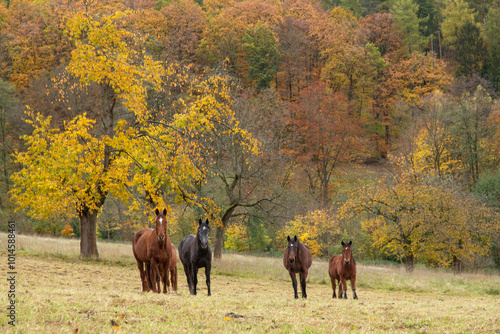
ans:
(409, 263)
(457, 265)
(219, 242)
(88, 238)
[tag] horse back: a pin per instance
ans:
(334, 265)
(140, 245)
(185, 248)
(305, 256)
(173, 257)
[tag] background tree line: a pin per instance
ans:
(376, 121)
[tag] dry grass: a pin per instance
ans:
(57, 292)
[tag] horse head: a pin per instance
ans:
(203, 232)
(346, 252)
(161, 225)
(293, 246)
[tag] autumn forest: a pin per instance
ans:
(364, 120)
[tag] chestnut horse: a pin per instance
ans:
(152, 248)
(195, 252)
(343, 268)
(297, 259)
(172, 270)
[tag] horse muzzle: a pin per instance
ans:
(161, 237)
(204, 246)
(291, 260)
(347, 262)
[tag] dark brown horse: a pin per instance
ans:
(152, 248)
(343, 268)
(297, 259)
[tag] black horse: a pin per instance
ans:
(195, 252)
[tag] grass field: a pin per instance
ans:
(56, 292)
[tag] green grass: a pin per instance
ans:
(59, 293)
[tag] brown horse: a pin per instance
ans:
(343, 268)
(297, 259)
(172, 270)
(152, 247)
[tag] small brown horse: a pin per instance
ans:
(297, 259)
(172, 270)
(152, 247)
(343, 268)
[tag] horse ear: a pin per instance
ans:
(288, 238)
(207, 221)
(295, 238)
(199, 221)
(164, 212)
(342, 243)
(157, 211)
(350, 242)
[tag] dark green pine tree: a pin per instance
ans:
(492, 35)
(428, 14)
(471, 53)
(354, 6)
(262, 55)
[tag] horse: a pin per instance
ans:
(172, 270)
(195, 252)
(343, 268)
(297, 259)
(152, 248)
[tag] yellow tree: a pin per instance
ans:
(434, 147)
(417, 217)
(317, 229)
(72, 169)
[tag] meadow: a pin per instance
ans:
(56, 292)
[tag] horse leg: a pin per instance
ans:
(140, 265)
(303, 277)
(188, 277)
(152, 274)
(147, 279)
(332, 279)
(173, 278)
(344, 287)
(340, 288)
(294, 284)
(195, 279)
(353, 287)
(166, 284)
(207, 275)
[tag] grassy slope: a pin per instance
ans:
(56, 292)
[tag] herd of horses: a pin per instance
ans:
(157, 260)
